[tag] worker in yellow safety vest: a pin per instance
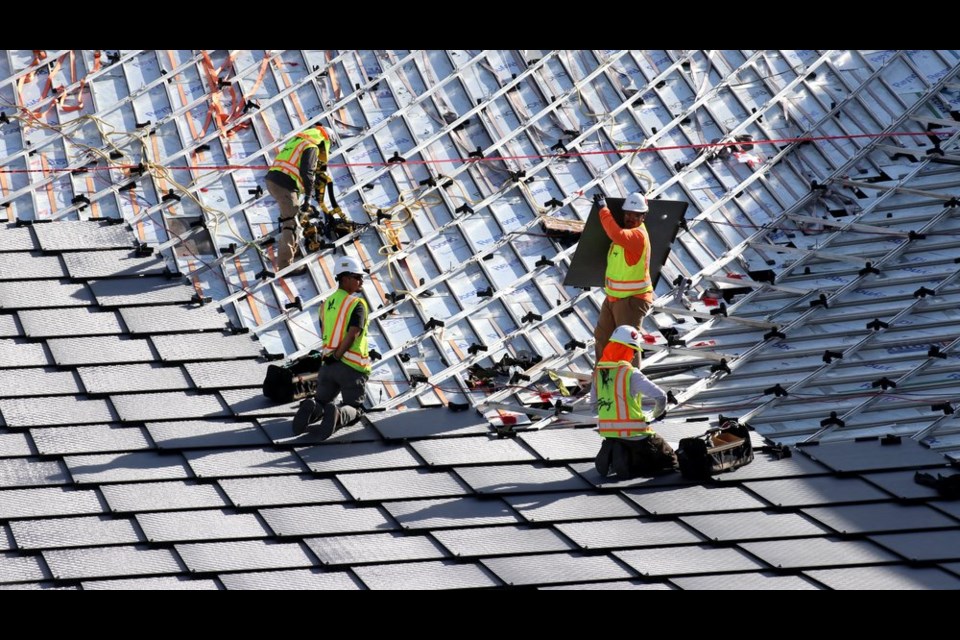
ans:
(293, 174)
(628, 284)
(345, 366)
(619, 392)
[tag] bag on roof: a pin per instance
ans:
(720, 449)
(294, 381)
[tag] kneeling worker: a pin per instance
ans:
(346, 358)
(626, 401)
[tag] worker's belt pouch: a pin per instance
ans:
(631, 458)
(721, 449)
(294, 381)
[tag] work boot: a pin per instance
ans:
(602, 461)
(305, 415)
(325, 428)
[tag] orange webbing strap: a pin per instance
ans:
(4, 188)
(183, 95)
(161, 182)
(332, 74)
(94, 207)
(439, 393)
(264, 65)
(45, 167)
(196, 281)
(216, 112)
(249, 298)
(293, 95)
(136, 212)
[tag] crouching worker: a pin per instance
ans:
(345, 366)
(626, 401)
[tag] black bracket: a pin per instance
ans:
(913, 235)
(774, 333)
(404, 357)
(201, 300)
(375, 355)
(671, 399)
(531, 316)
(476, 154)
(776, 390)
(559, 147)
(265, 274)
(80, 199)
(201, 148)
(296, 304)
(256, 193)
(553, 203)
(890, 439)
(515, 176)
(833, 420)
(272, 357)
(828, 356)
(884, 383)
(458, 406)
(720, 366)
(464, 208)
(3, 118)
(474, 348)
(935, 352)
(127, 187)
(433, 323)
(946, 407)
(396, 158)
(170, 196)
(229, 251)
(820, 302)
(543, 262)
(250, 104)
(428, 181)
(575, 344)
(485, 293)
(672, 336)
(143, 251)
(869, 268)
(519, 377)
(236, 331)
(877, 324)
(416, 378)
(923, 292)
(719, 311)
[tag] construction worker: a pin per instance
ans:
(293, 174)
(345, 365)
(626, 402)
(628, 284)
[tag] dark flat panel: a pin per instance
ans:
(29, 266)
(563, 444)
(30, 472)
(136, 291)
(88, 439)
(373, 547)
(620, 585)
(280, 430)
(25, 383)
(753, 525)
(670, 561)
(745, 582)
(693, 499)
(471, 450)
(14, 238)
(48, 501)
(36, 586)
(108, 264)
(8, 326)
(555, 507)
(887, 516)
(54, 410)
(815, 491)
(275, 490)
(126, 467)
(68, 564)
(399, 485)
(161, 496)
(17, 568)
(588, 472)
(498, 541)
(173, 318)
(83, 531)
(127, 378)
(167, 406)
(20, 353)
(766, 465)
(43, 294)
(77, 235)
(422, 423)
(200, 434)
(252, 402)
(555, 568)
(323, 519)
(873, 456)
(14, 444)
(901, 484)
(926, 545)
(225, 375)
(357, 456)
(451, 512)
(436, 574)
(217, 524)
(817, 552)
(293, 580)
(99, 350)
(166, 583)
(522, 478)
(183, 347)
(662, 223)
(242, 556)
(207, 463)
(886, 578)
(73, 322)
(612, 534)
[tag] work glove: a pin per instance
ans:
(328, 360)
(600, 200)
(305, 207)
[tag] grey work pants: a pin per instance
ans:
(289, 202)
(338, 378)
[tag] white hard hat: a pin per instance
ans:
(348, 264)
(627, 335)
(636, 202)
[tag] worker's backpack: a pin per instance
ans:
(294, 381)
(721, 449)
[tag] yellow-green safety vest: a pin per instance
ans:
(620, 414)
(288, 160)
(337, 310)
(624, 280)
